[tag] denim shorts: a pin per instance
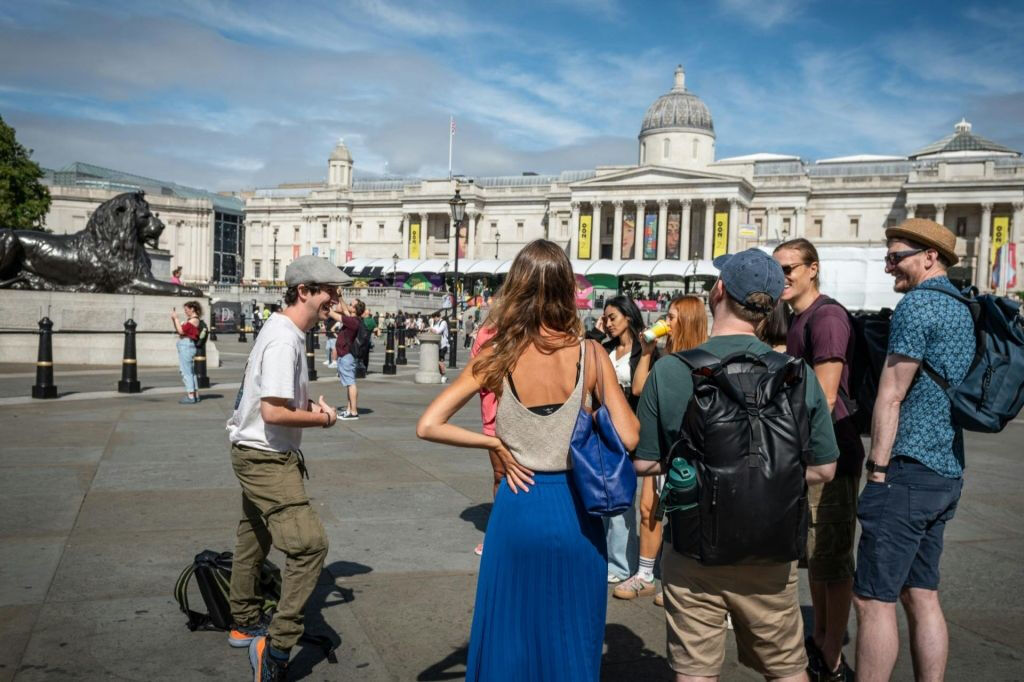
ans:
(347, 369)
(902, 522)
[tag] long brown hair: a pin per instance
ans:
(692, 328)
(539, 293)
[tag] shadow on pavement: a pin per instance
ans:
(477, 515)
(451, 667)
(326, 595)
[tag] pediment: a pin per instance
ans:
(648, 176)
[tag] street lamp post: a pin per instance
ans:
(497, 241)
(458, 206)
(274, 255)
(394, 269)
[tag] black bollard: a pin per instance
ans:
(389, 353)
(453, 332)
(241, 328)
(129, 382)
(400, 358)
(199, 367)
(310, 356)
(316, 338)
(44, 388)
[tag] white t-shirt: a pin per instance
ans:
(276, 369)
(441, 328)
(621, 365)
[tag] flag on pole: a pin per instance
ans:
(451, 136)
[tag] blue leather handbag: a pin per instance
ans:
(601, 468)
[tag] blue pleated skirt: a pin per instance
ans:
(542, 593)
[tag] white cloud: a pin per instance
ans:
(764, 14)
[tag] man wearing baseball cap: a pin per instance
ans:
(915, 465)
(762, 598)
(265, 430)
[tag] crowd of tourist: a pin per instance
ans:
(746, 438)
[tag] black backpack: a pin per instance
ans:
(746, 431)
(204, 333)
(360, 344)
(212, 571)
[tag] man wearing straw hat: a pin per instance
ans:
(915, 465)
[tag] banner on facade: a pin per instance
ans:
(628, 235)
(672, 236)
(461, 244)
(650, 236)
(583, 249)
(1000, 235)
(1009, 277)
(316, 250)
(296, 250)
(721, 243)
(414, 240)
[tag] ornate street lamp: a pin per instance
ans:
(497, 240)
(394, 269)
(458, 206)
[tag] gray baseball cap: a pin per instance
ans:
(750, 272)
(314, 270)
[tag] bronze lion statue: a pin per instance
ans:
(108, 256)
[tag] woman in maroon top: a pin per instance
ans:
(820, 333)
(188, 336)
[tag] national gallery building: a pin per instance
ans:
(678, 204)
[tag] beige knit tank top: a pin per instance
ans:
(540, 442)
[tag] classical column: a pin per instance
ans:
(772, 223)
(684, 231)
(638, 228)
(983, 277)
(406, 222)
(940, 214)
(344, 236)
(471, 228)
(1017, 226)
(617, 230)
(595, 231)
(453, 238)
(911, 210)
(709, 228)
(662, 227)
(798, 227)
(574, 229)
(734, 228)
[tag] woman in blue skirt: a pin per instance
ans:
(542, 592)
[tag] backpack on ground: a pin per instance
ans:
(212, 571)
(746, 431)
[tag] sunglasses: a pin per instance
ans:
(893, 259)
(787, 270)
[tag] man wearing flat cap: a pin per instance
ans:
(915, 465)
(265, 430)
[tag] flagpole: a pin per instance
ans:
(451, 136)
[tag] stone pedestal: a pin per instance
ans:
(429, 373)
(71, 312)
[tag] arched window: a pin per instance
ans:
(695, 143)
(664, 153)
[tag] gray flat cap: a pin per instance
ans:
(314, 270)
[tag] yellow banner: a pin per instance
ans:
(583, 250)
(414, 240)
(1000, 235)
(721, 243)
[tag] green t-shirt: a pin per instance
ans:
(669, 387)
(369, 323)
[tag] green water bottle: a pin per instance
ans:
(680, 490)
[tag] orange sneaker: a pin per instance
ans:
(241, 636)
(266, 668)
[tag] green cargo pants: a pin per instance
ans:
(275, 509)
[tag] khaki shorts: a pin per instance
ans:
(765, 615)
(833, 524)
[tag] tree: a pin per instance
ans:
(24, 200)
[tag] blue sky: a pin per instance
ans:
(230, 95)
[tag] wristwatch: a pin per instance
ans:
(876, 468)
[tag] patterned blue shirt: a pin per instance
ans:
(930, 326)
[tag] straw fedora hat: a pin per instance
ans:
(927, 233)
